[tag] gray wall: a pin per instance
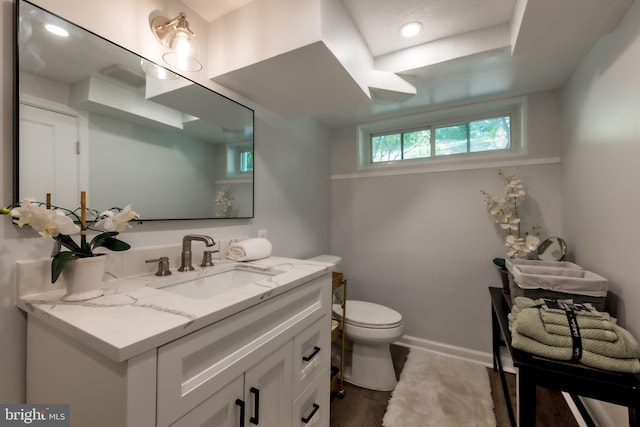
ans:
(601, 174)
(422, 243)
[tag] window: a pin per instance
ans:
(462, 133)
(398, 146)
(470, 137)
(239, 159)
(246, 161)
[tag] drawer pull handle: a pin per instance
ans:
(316, 350)
(315, 409)
(255, 420)
(240, 403)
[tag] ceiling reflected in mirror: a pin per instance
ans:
(132, 131)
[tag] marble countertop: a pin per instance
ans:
(133, 317)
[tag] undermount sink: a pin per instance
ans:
(215, 283)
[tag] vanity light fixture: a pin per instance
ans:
(178, 38)
(58, 31)
(411, 29)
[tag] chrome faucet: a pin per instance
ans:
(186, 249)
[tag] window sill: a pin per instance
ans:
(445, 166)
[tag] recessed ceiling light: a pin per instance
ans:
(411, 29)
(58, 31)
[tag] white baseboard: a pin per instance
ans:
(483, 358)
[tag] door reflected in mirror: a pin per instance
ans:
(96, 117)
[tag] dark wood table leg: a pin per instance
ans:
(526, 398)
(495, 336)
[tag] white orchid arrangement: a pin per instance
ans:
(60, 224)
(505, 213)
(224, 202)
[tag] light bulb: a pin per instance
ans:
(411, 29)
(58, 31)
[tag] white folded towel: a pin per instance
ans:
(249, 249)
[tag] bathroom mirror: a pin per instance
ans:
(552, 249)
(95, 117)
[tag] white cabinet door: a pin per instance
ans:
(223, 409)
(268, 389)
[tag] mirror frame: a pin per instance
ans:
(17, 98)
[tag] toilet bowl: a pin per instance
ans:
(370, 328)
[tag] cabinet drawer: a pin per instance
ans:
(193, 368)
(312, 406)
(311, 353)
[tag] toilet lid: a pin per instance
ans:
(368, 314)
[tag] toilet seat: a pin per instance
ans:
(369, 315)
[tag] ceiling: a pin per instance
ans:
(344, 61)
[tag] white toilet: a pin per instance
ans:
(370, 328)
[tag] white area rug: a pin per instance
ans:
(440, 391)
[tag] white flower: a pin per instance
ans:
(224, 202)
(116, 221)
(505, 214)
(532, 242)
(60, 223)
(47, 222)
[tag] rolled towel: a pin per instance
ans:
(249, 249)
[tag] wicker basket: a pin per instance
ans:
(556, 280)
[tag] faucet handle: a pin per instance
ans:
(206, 258)
(163, 266)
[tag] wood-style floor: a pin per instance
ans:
(365, 408)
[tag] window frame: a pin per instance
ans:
(513, 107)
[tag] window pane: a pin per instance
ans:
(246, 161)
(451, 140)
(416, 144)
(490, 134)
(385, 148)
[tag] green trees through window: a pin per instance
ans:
(246, 161)
(468, 137)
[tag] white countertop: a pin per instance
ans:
(132, 317)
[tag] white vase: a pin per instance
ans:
(83, 278)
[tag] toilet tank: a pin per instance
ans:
(327, 259)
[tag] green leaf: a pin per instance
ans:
(57, 263)
(113, 244)
(68, 243)
(500, 262)
(98, 241)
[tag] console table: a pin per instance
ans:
(573, 378)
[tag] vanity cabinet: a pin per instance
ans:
(269, 363)
(260, 396)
